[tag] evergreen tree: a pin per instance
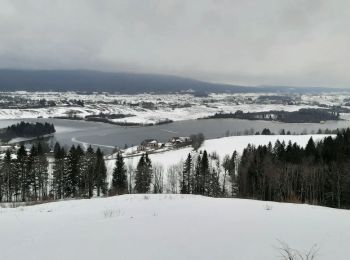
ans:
(197, 180)
(310, 149)
(213, 184)
(148, 173)
(82, 172)
(119, 180)
(58, 171)
(205, 178)
(2, 181)
(71, 173)
(90, 176)
(7, 176)
(21, 168)
(101, 173)
(32, 173)
(143, 176)
(42, 172)
(185, 184)
(232, 172)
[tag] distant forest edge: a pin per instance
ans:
(126, 83)
(23, 129)
(304, 115)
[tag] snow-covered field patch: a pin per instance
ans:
(220, 146)
(170, 227)
(153, 109)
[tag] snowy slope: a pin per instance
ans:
(170, 227)
(222, 146)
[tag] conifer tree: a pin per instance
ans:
(58, 171)
(32, 173)
(42, 172)
(101, 173)
(139, 177)
(82, 172)
(143, 176)
(232, 172)
(90, 176)
(213, 189)
(205, 178)
(197, 182)
(119, 180)
(185, 185)
(70, 176)
(148, 173)
(6, 171)
(21, 168)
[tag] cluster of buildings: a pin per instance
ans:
(153, 144)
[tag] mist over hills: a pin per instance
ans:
(120, 82)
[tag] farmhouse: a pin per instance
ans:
(149, 144)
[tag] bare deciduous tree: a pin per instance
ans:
(131, 177)
(158, 178)
(288, 253)
(173, 173)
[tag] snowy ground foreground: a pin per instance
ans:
(222, 146)
(170, 227)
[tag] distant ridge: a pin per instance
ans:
(125, 83)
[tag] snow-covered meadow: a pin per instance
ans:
(173, 107)
(220, 146)
(170, 227)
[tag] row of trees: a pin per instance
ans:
(23, 129)
(303, 115)
(78, 173)
(24, 176)
(317, 174)
(199, 174)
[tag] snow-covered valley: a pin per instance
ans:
(170, 227)
(167, 225)
(152, 108)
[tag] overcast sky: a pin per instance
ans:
(252, 42)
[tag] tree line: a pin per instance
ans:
(24, 176)
(199, 174)
(317, 174)
(23, 129)
(303, 115)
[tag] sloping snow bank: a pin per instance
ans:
(222, 146)
(226, 145)
(170, 227)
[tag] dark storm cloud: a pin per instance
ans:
(280, 42)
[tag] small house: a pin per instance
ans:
(149, 144)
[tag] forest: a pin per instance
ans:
(304, 115)
(23, 129)
(24, 176)
(317, 174)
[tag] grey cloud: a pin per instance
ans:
(289, 42)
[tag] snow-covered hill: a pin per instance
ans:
(170, 227)
(220, 146)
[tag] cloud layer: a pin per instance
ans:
(270, 42)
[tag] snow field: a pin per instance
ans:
(170, 227)
(221, 146)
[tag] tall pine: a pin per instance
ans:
(119, 180)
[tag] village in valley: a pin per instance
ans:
(151, 146)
